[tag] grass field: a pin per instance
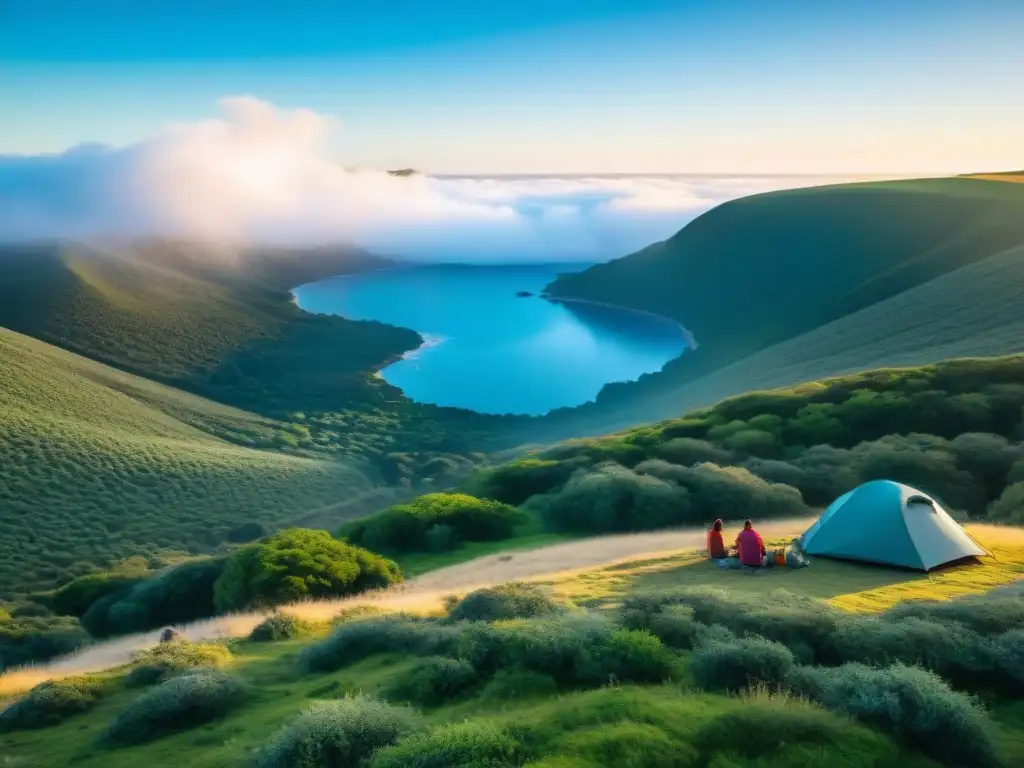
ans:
(100, 465)
(610, 726)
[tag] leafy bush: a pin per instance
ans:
(402, 528)
(611, 498)
(76, 597)
(51, 702)
(30, 639)
(278, 626)
(741, 664)
(298, 564)
(713, 488)
(182, 702)
(913, 704)
(1009, 507)
(514, 600)
(174, 595)
(675, 626)
(356, 640)
(1008, 651)
(573, 650)
(343, 732)
(688, 451)
(469, 744)
(435, 681)
(961, 656)
(515, 482)
(510, 684)
(988, 614)
(168, 659)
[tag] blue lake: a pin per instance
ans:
(488, 349)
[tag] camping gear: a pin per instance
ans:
(889, 523)
(779, 556)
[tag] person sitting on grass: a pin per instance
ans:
(750, 546)
(716, 545)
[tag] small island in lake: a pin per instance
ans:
(523, 294)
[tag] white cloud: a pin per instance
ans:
(261, 174)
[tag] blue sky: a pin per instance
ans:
(473, 86)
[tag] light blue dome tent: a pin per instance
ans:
(889, 523)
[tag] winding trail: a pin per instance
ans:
(421, 592)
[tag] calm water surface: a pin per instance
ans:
(491, 351)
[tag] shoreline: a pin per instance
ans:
(691, 341)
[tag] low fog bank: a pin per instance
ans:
(257, 174)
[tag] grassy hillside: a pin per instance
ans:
(660, 670)
(99, 465)
(762, 270)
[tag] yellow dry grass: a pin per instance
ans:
(849, 586)
(1013, 178)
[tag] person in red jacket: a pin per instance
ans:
(716, 545)
(750, 546)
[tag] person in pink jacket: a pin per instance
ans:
(750, 546)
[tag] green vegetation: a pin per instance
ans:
(505, 601)
(953, 429)
(168, 660)
(174, 705)
(278, 626)
(767, 269)
(554, 691)
(100, 465)
(298, 564)
(52, 702)
(35, 638)
(436, 522)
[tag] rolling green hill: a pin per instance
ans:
(760, 271)
(100, 465)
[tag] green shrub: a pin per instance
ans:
(343, 732)
(76, 597)
(609, 498)
(572, 649)
(31, 639)
(913, 704)
(174, 595)
(278, 626)
(175, 705)
(356, 640)
(470, 745)
(514, 600)
(517, 481)
(988, 614)
(435, 681)
(169, 659)
(51, 702)
(403, 527)
(675, 626)
(957, 654)
(1008, 651)
(299, 564)
(741, 664)
(511, 684)
(1009, 507)
(688, 451)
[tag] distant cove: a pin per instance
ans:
(491, 349)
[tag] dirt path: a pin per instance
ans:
(421, 592)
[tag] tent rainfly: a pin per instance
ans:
(889, 523)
